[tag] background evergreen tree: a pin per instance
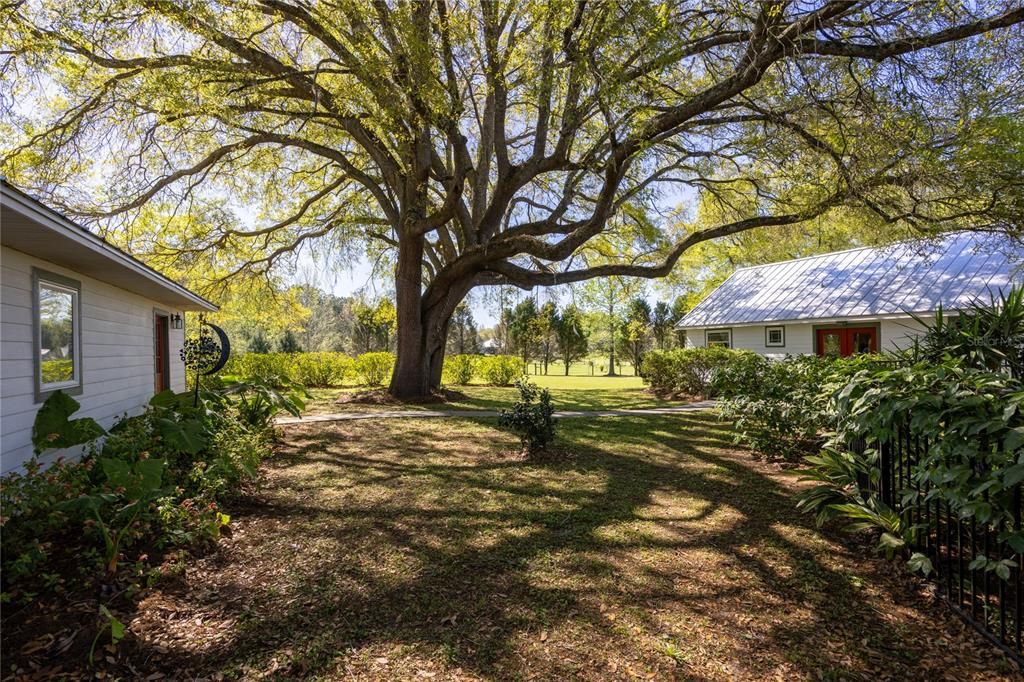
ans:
(572, 336)
(289, 343)
(259, 343)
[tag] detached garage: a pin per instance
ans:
(81, 316)
(855, 301)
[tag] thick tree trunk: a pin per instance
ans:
(411, 378)
(423, 321)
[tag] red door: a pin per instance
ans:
(845, 341)
(162, 381)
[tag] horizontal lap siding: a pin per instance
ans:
(799, 339)
(897, 334)
(893, 334)
(117, 354)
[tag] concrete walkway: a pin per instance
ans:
(424, 414)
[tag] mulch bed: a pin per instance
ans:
(380, 396)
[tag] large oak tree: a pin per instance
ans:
(479, 143)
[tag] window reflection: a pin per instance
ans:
(832, 348)
(862, 342)
(56, 334)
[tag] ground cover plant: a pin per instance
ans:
(96, 531)
(419, 550)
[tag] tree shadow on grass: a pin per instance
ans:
(383, 550)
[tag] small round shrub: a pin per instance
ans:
(459, 370)
(374, 368)
(501, 370)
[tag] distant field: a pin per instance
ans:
(589, 367)
(567, 393)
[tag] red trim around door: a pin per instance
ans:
(846, 341)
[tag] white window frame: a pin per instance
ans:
(52, 280)
(767, 336)
(727, 332)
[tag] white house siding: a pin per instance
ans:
(893, 334)
(117, 353)
(799, 339)
(899, 333)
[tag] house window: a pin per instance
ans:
(775, 337)
(718, 337)
(57, 327)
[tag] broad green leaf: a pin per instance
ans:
(53, 428)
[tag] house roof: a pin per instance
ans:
(907, 277)
(29, 226)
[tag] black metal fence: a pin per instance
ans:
(988, 602)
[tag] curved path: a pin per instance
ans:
(423, 414)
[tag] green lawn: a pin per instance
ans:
(567, 393)
(643, 548)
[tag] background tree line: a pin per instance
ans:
(611, 317)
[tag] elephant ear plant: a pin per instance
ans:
(125, 488)
(258, 401)
(53, 427)
(126, 491)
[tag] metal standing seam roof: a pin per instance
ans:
(907, 277)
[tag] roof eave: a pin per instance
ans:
(49, 219)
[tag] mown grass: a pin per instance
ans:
(567, 393)
(642, 548)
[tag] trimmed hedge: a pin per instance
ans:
(321, 369)
(374, 369)
(459, 370)
(705, 372)
(327, 369)
(500, 370)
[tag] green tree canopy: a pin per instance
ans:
(463, 336)
(472, 144)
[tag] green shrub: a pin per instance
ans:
(272, 367)
(459, 369)
(969, 423)
(501, 370)
(742, 374)
(532, 417)
(321, 369)
(781, 409)
(984, 336)
(373, 369)
(54, 371)
(693, 371)
(258, 402)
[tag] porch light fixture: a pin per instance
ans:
(176, 321)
